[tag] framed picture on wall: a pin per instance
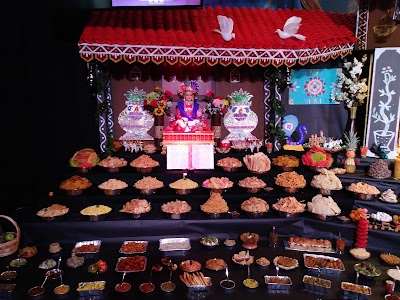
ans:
(384, 106)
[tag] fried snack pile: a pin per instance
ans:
(364, 188)
(148, 182)
(285, 161)
(136, 206)
(113, 184)
(252, 182)
(217, 183)
(326, 180)
(289, 205)
(113, 162)
(231, 162)
(290, 179)
(176, 207)
(257, 163)
(379, 169)
(254, 204)
(53, 211)
(215, 204)
(75, 183)
(144, 161)
(323, 206)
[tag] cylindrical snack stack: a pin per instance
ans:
(362, 231)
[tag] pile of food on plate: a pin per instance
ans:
(229, 162)
(286, 161)
(217, 183)
(184, 184)
(215, 204)
(290, 180)
(326, 180)
(363, 188)
(144, 161)
(148, 182)
(252, 182)
(53, 210)
(289, 205)
(323, 205)
(176, 207)
(113, 162)
(309, 244)
(113, 184)
(255, 204)
(136, 206)
(257, 163)
(75, 182)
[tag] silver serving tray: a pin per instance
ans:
(97, 243)
(321, 269)
(93, 292)
(132, 252)
(277, 286)
(316, 287)
(173, 244)
(194, 288)
(323, 250)
(353, 294)
(130, 257)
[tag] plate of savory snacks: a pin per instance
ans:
(252, 184)
(176, 209)
(367, 269)
(93, 288)
(263, 261)
(316, 284)
(286, 162)
(96, 212)
(113, 186)
(355, 291)
(131, 247)
(87, 247)
(255, 207)
(174, 244)
(184, 186)
(323, 263)
(190, 265)
(216, 264)
(136, 207)
(113, 163)
(278, 282)
(363, 190)
(148, 185)
(258, 163)
(195, 281)
(209, 241)
(75, 185)
(308, 244)
(229, 164)
(289, 207)
(128, 264)
(53, 212)
(286, 263)
(390, 259)
(243, 258)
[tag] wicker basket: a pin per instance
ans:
(10, 247)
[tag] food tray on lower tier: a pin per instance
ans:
(277, 282)
(129, 264)
(322, 250)
(316, 284)
(355, 291)
(87, 247)
(174, 244)
(323, 263)
(93, 288)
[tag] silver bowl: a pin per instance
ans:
(144, 169)
(230, 169)
(137, 215)
(52, 218)
(286, 168)
(215, 215)
(176, 216)
(255, 214)
(112, 169)
(291, 190)
(363, 196)
(253, 190)
(95, 218)
(113, 192)
(74, 192)
(83, 169)
(147, 191)
(288, 215)
(321, 217)
(183, 191)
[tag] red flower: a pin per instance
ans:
(210, 93)
(169, 94)
(223, 110)
(154, 103)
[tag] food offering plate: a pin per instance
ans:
(316, 284)
(174, 244)
(209, 241)
(367, 270)
(27, 252)
(196, 281)
(132, 247)
(129, 264)
(8, 275)
(355, 291)
(323, 263)
(18, 262)
(91, 288)
(87, 247)
(263, 261)
(54, 273)
(390, 259)
(96, 212)
(216, 264)
(190, 266)
(394, 274)
(363, 196)
(278, 282)
(6, 289)
(285, 262)
(245, 261)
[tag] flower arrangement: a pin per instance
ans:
(351, 89)
(215, 104)
(159, 102)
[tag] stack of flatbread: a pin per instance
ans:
(257, 163)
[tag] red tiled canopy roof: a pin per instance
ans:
(186, 36)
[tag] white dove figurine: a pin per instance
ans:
(225, 28)
(291, 28)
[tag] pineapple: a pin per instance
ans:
(351, 140)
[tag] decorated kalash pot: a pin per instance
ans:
(240, 120)
(134, 119)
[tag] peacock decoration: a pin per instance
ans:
(295, 133)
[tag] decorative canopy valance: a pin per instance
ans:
(186, 36)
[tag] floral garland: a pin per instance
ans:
(215, 104)
(351, 89)
(159, 102)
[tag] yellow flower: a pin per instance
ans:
(162, 104)
(158, 111)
